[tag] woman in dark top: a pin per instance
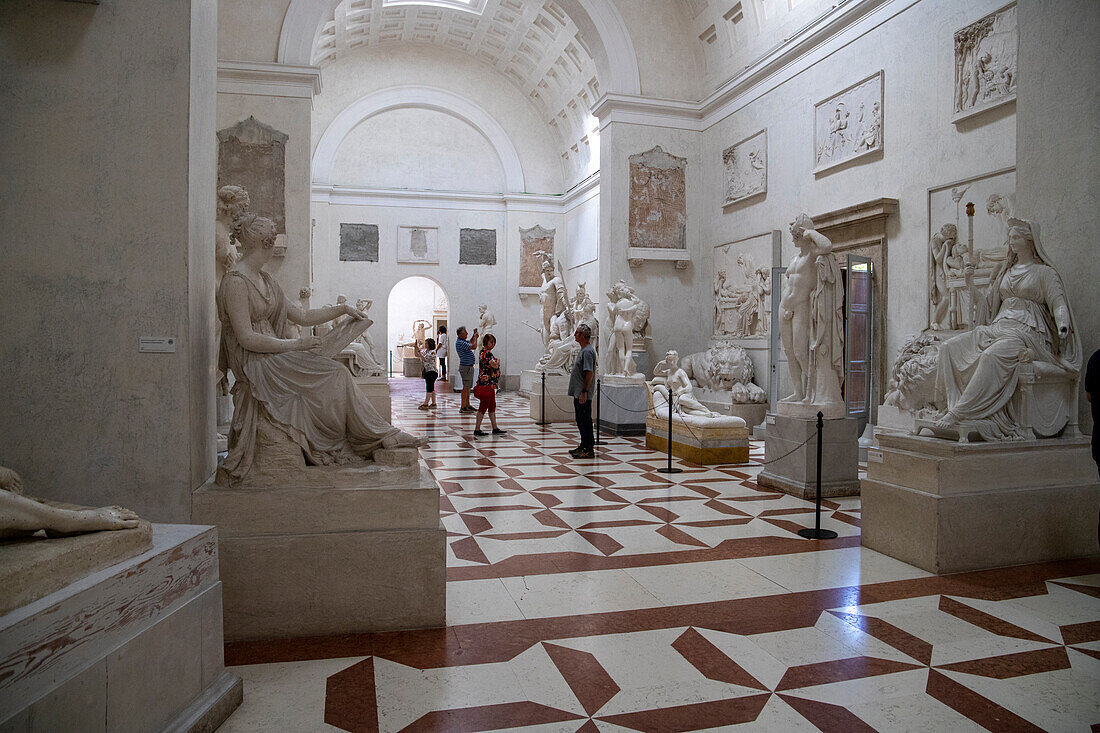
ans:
(428, 354)
(488, 378)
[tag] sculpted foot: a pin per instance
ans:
(403, 440)
(946, 421)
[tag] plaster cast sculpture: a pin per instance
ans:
(360, 352)
(485, 320)
(561, 349)
(669, 376)
(291, 398)
(584, 311)
(363, 306)
(944, 309)
(22, 516)
(1024, 330)
(912, 385)
(658, 200)
(725, 367)
(746, 165)
(624, 311)
(232, 202)
(552, 295)
(812, 325)
(848, 125)
(985, 63)
(742, 311)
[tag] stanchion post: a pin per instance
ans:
(599, 399)
(669, 468)
(817, 533)
(390, 365)
(542, 409)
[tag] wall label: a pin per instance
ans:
(157, 344)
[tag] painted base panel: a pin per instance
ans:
(80, 659)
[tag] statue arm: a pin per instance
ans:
(236, 302)
(313, 316)
(821, 243)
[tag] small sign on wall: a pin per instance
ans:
(157, 344)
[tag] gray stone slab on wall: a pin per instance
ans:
(253, 155)
(477, 246)
(358, 242)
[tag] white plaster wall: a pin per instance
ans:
(291, 116)
(923, 149)
(418, 148)
(669, 61)
(466, 286)
(248, 30)
(580, 245)
(1059, 160)
(379, 67)
(108, 214)
(679, 317)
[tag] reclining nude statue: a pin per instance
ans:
(290, 389)
(21, 516)
(1023, 322)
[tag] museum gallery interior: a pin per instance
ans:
(549, 365)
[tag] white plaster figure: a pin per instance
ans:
(725, 367)
(812, 322)
(561, 349)
(552, 294)
(944, 312)
(360, 353)
(288, 388)
(22, 516)
(232, 202)
(671, 376)
(753, 306)
(1023, 319)
(622, 309)
(912, 385)
(584, 311)
(485, 320)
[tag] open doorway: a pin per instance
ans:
(416, 307)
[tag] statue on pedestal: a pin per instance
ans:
(291, 399)
(669, 376)
(22, 516)
(624, 309)
(232, 203)
(552, 294)
(812, 325)
(485, 320)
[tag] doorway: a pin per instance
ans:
(415, 309)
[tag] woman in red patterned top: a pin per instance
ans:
(488, 378)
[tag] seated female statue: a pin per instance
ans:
(283, 380)
(1023, 314)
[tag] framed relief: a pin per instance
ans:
(985, 64)
(746, 167)
(742, 287)
(658, 200)
(535, 239)
(848, 125)
(418, 245)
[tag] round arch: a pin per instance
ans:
(433, 98)
(598, 20)
(416, 304)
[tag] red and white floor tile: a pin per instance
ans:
(601, 595)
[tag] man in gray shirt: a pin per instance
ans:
(580, 384)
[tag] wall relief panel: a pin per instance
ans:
(253, 155)
(746, 165)
(535, 239)
(477, 246)
(418, 245)
(658, 200)
(848, 125)
(742, 288)
(985, 64)
(358, 242)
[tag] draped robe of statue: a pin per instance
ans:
(979, 370)
(311, 397)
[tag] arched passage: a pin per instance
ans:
(413, 303)
(441, 100)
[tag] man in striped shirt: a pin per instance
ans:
(466, 359)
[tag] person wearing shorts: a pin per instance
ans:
(488, 378)
(465, 349)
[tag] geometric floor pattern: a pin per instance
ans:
(601, 595)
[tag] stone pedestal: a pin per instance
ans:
(559, 405)
(624, 405)
(365, 553)
(412, 366)
(136, 646)
(377, 390)
(948, 507)
(698, 443)
(722, 402)
(796, 472)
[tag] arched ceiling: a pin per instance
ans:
(534, 44)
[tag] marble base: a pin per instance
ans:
(559, 405)
(530, 381)
(36, 566)
(808, 411)
(700, 445)
(624, 405)
(796, 472)
(377, 390)
(412, 366)
(133, 647)
(356, 557)
(948, 507)
(721, 402)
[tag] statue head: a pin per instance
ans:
(801, 223)
(948, 231)
(255, 232)
(341, 299)
(232, 201)
(672, 358)
(363, 304)
(995, 205)
(482, 308)
(1021, 239)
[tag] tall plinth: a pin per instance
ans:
(559, 405)
(950, 507)
(790, 456)
(358, 550)
(624, 404)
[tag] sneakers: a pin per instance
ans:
(467, 409)
(422, 407)
(583, 453)
(480, 433)
(498, 431)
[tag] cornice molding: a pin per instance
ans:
(268, 79)
(798, 52)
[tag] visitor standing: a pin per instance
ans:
(428, 355)
(580, 386)
(488, 378)
(443, 347)
(465, 349)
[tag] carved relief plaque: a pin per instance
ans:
(658, 200)
(848, 125)
(533, 240)
(746, 166)
(253, 155)
(985, 64)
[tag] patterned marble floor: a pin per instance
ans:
(601, 595)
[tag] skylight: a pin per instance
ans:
(470, 6)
